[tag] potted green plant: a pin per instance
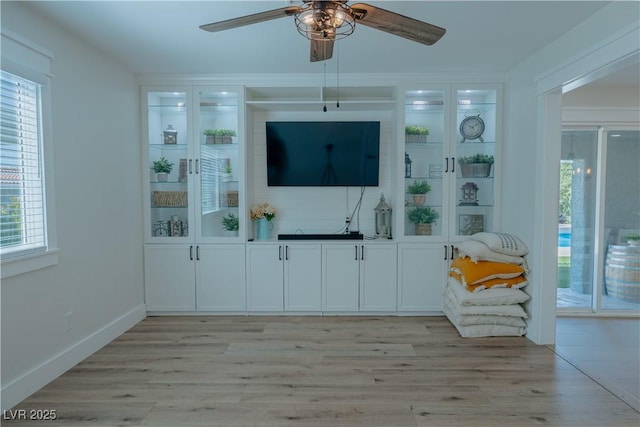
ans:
(415, 134)
(478, 165)
(231, 224)
(162, 168)
(219, 136)
(633, 239)
(226, 173)
(423, 217)
(419, 190)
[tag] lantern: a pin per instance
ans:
(469, 194)
(407, 166)
(383, 219)
(170, 135)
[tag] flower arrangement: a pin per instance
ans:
(262, 210)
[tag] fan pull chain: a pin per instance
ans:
(325, 81)
(338, 73)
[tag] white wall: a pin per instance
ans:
(605, 37)
(99, 220)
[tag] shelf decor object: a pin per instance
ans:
(383, 219)
(476, 166)
(176, 228)
(219, 136)
(407, 166)
(470, 224)
(415, 134)
(423, 217)
(469, 194)
(419, 190)
(162, 168)
(170, 135)
(263, 214)
(170, 199)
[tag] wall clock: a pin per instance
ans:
(472, 127)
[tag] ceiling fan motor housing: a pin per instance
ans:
(322, 20)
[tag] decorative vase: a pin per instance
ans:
(162, 176)
(264, 229)
(423, 229)
(419, 199)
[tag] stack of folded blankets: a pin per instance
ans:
(483, 293)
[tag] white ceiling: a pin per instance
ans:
(163, 36)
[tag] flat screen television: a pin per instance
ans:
(323, 153)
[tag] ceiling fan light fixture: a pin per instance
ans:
(325, 20)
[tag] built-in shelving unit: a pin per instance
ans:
(223, 273)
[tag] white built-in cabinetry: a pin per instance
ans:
(193, 265)
(283, 277)
(359, 277)
(191, 262)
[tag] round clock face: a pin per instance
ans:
(472, 127)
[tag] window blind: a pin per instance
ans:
(22, 207)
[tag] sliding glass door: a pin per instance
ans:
(598, 258)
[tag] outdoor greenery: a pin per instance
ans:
(564, 271)
(632, 236)
(566, 176)
(11, 222)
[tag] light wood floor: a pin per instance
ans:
(605, 349)
(323, 371)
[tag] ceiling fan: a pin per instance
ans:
(324, 22)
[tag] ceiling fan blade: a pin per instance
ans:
(397, 24)
(251, 19)
(321, 50)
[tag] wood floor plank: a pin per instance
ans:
(313, 371)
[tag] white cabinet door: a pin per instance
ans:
(378, 277)
(265, 277)
(220, 278)
(170, 277)
(302, 277)
(340, 277)
(421, 277)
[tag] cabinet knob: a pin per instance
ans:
(446, 164)
(446, 255)
(356, 258)
(191, 252)
(452, 252)
(453, 165)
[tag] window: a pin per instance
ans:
(27, 215)
(22, 207)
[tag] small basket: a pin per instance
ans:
(170, 199)
(231, 199)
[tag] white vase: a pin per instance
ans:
(162, 176)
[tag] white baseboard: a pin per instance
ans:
(21, 388)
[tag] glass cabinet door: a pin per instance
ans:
(168, 154)
(424, 170)
(473, 190)
(219, 167)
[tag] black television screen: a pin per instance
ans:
(323, 153)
